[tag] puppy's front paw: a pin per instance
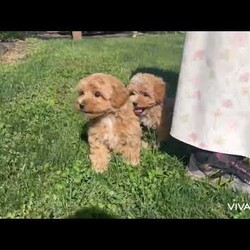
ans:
(99, 160)
(145, 145)
(132, 156)
(135, 161)
(99, 168)
(154, 145)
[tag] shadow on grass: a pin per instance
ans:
(84, 132)
(92, 213)
(174, 147)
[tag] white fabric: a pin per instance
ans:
(212, 109)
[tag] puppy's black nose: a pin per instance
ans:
(81, 106)
(135, 104)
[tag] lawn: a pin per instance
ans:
(45, 170)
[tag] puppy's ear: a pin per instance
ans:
(160, 90)
(129, 88)
(120, 94)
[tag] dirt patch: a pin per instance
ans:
(3, 49)
(16, 50)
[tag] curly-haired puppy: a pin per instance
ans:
(148, 95)
(113, 125)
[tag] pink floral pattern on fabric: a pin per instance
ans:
(240, 39)
(232, 125)
(193, 136)
(227, 103)
(198, 55)
(197, 94)
(196, 80)
(202, 145)
(244, 77)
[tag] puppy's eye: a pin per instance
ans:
(81, 93)
(97, 94)
(146, 95)
(132, 93)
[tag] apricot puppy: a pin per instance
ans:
(148, 93)
(113, 126)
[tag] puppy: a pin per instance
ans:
(148, 95)
(113, 125)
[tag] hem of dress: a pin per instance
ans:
(209, 149)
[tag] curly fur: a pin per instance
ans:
(113, 125)
(148, 95)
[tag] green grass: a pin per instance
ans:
(10, 35)
(45, 170)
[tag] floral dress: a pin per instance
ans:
(212, 109)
